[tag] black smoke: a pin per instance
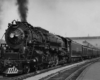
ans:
(22, 9)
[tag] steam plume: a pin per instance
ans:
(22, 9)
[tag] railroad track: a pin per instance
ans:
(69, 74)
(34, 74)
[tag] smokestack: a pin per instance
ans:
(22, 9)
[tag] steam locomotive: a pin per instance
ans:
(30, 48)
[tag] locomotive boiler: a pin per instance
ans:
(33, 48)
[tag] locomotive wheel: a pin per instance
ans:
(26, 69)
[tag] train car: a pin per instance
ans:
(98, 52)
(85, 52)
(76, 51)
(0, 50)
(95, 52)
(90, 52)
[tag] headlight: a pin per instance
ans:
(34, 60)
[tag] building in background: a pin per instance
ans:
(89, 41)
(2, 41)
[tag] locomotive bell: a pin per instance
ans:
(14, 22)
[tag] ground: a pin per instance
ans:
(91, 73)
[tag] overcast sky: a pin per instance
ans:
(70, 18)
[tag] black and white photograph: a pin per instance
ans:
(49, 39)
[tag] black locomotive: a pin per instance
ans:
(33, 48)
